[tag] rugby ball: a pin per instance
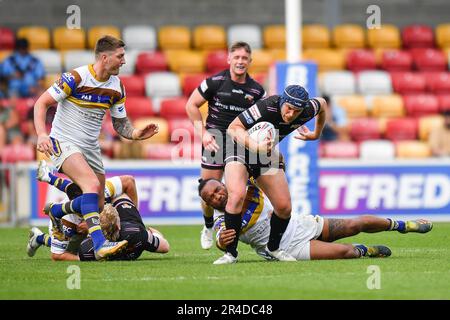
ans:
(262, 131)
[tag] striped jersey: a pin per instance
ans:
(82, 103)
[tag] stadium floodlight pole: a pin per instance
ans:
(293, 21)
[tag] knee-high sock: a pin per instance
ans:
(89, 209)
(60, 209)
(277, 228)
(233, 221)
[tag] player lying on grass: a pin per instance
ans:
(306, 237)
(119, 221)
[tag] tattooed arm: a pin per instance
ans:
(124, 128)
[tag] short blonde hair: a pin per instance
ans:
(110, 222)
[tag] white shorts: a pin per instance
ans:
(307, 228)
(60, 243)
(64, 149)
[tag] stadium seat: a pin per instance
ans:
(51, 59)
(160, 151)
(361, 59)
(315, 36)
(427, 123)
(326, 59)
(444, 102)
(408, 82)
(401, 129)
(173, 108)
(443, 35)
(421, 105)
(429, 59)
(129, 68)
(38, 37)
(348, 36)
(139, 107)
(374, 82)
(76, 58)
(151, 62)
(261, 61)
(216, 61)
(418, 36)
(69, 39)
(376, 150)
(174, 38)
(341, 149)
(97, 32)
(162, 84)
(190, 82)
(278, 54)
(134, 85)
(261, 78)
(338, 83)
(412, 149)
(396, 60)
(250, 33)
(388, 36)
(23, 106)
(210, 37)
(7, 39)
(387, 106)
(163, 132)
(438, 82)
(274, 36)
(181, 129)
(140, 37)
(355, 106)
(186, 61)
(50, 78)
(4, 54)
(13, 153)
(364, 129)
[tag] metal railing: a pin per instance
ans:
(8, 191)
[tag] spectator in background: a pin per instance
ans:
(439, 139)
(336, 125)
(9, 126)
(23, 72)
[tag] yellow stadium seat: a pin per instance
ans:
(388, 36)
(274, 36)
(261, 61)
(50, 79)
(69, 39)
(412, 149)
(210, 37)
(174, 37)
(389, 106)
(186, 61)
(4, 54)
(326, 59)
(349, 36)
(163, 134)
(426, 124)
(354, 105)
(277, 54)
(97, 32)
(38, 37)
(443, 35)
(315, 36)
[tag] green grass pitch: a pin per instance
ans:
(419, 268)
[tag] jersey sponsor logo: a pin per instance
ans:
(126, 206)
(204, 86)
(121, 109)
(86, 97)
(237, 91)
(254, 111)
(249, 97)
(247, 117)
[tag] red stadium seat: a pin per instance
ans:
(184, 128)
(7, 39)
(396, 60)
(421, 105)
(172, 108)
(159, 151)
(358, 60)
(444, 102)
(408, 82)
(401, 129)
(418, 36)
(438, 82)
(150, 62)
(216, 61)
(17, 152)
(191, 82)
(138, 107)
(341, 149)
(429, 59)
(365, 129)
(134, 86)
(23, 106)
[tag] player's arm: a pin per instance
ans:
(66, 256)
(124, 128)
(129, 188)
(44, 144)
(319, 104)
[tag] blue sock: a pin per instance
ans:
(40, 239)
(397, 225)
(362, 249)
(59, 183)
(89, 209)
(44, 239)
(59, 210)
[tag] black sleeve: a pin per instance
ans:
(263, 110)
(315, 104)
(208, 88)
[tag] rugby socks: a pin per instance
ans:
(397, 225)
(209, 221)
(44, 239)
(360, 249)
(58, 210)
(277, 228)
(59, 183)
(89, 210)
(233, 221)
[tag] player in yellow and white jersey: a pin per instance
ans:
(307, 236)
(83, 96)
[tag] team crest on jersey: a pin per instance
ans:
(254, 111)
(60, 83)
(249, 97)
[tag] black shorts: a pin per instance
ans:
(215, 160)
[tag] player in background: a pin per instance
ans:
(228, 93)
(83, 96)
(307, 236)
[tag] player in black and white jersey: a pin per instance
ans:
(228, 93)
